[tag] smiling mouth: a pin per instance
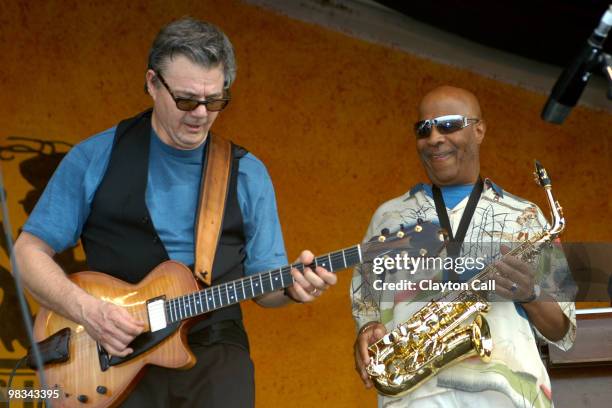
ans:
(439, 156)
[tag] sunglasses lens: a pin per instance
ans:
(215, 105)
(449, 126)
(186, 104)
(422, 128)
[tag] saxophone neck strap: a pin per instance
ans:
(455, 241)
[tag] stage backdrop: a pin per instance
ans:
(331, 117)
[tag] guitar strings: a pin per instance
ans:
(248, 284)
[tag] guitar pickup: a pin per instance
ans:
(156, 309)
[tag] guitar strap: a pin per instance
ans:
(213, 194)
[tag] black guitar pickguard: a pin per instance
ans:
(140, 345)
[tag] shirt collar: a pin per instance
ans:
(488, 182)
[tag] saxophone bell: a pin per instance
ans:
(397, 376)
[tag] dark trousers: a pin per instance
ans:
(222, 377)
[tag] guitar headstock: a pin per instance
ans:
(423, 239)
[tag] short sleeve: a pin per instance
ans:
(63, 208)
(265, 248)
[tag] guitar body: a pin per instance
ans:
(81, 375)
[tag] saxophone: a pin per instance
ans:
(451, 328)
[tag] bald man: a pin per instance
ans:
(449, 133)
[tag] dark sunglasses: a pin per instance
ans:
(444, 124)
(187, 104)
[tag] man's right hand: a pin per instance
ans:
(111, 325)
(369, 334)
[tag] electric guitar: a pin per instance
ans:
(169, 301)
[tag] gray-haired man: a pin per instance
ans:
(131, 193)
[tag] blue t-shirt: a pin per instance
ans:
(171, 197)
(452, 195)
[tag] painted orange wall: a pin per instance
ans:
(330, 115)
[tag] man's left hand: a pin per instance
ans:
(311, 284)
(515, 279)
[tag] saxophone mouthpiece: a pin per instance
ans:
(542, 175)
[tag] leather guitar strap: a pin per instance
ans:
(213, 194)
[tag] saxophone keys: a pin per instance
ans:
(395, 367)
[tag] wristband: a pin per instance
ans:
(534, 295)
(366, 327)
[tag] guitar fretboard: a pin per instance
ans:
(226, 294)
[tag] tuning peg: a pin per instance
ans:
(381, 238)
(384, 231)
(400, 234)
(442, 234)
(418, 228)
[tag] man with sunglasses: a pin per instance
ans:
(131, 194)
(481, 216)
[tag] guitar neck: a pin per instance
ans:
(227, 294)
